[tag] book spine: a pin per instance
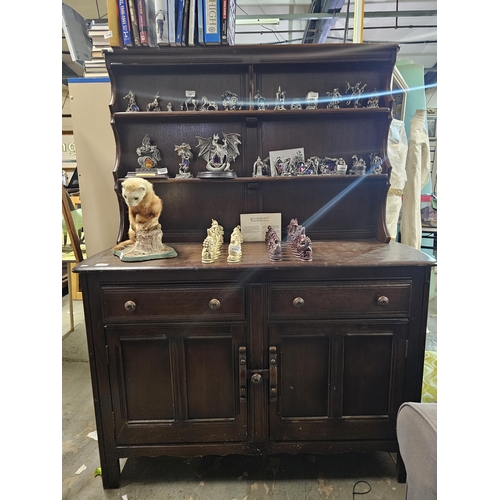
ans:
(199, 7)
(151, 19)
(231, 22)
(191, 24)
(162, 22)
(142, 22)
(133, 23)
(180, 16)
(171, 21)
(212, 22)
(125, 23)
(115, 33)
(223, 28)
(185, 23)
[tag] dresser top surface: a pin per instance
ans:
(326, 254)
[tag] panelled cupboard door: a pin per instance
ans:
(337, 381)
(173, 384)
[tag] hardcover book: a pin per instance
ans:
(161, 22)
(191, 22)
(199, 21)
(231, 22)
(134, 25)
(151, 23)
(224, 19)
(212, 33)
(171, 21)
(185, 23)
(114, 27)
(125, 23)
(142, 22)
(179, 23)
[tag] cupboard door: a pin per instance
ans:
(338, 381)
(177, 384)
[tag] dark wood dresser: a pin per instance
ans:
(256, 356)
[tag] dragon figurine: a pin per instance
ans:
(219, 155)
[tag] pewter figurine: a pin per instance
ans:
(310, 167)
(149, 157)
(184, 151)
(312, 100)
(219, 155)
(341, 167)
(208, 105)
(190, 103)
(375, 164)
(328, 166)
(336, 97)
(296, 164)
(169, 107)
(280, 99)
(132, 106)
(258, 167)
(230, 101)
(260, 101)
(358, 166)
(295, 104)
(155, 105)
(373, 100)
(266, 169)
(356, 93)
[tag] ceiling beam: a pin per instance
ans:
(341, 15)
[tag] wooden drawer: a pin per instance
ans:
(183, 303)
(342, 300)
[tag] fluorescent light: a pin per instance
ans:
(266, 20)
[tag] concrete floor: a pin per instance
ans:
(294, 477)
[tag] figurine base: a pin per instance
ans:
(147, 175)
(216, 175)
(148, 246)
(169, 253)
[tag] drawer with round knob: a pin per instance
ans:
(182, 303)
(339, 300)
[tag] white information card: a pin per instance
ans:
(254, 226)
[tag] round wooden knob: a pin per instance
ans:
(256, 378)
(298, 302)
(214, 304)
(383, 301)
(130, 306)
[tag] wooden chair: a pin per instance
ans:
(77, 255)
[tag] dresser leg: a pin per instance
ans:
(111, 474)
(400, 469)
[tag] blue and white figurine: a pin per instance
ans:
(132, 105)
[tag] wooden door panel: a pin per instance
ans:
(304, 376)
(210, 380)
(147, 387)
(176, 384)
(366, 374)
(340, 382)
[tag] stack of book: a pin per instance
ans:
(96, 66)
(157, 23)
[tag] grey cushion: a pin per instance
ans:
(416, 429)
